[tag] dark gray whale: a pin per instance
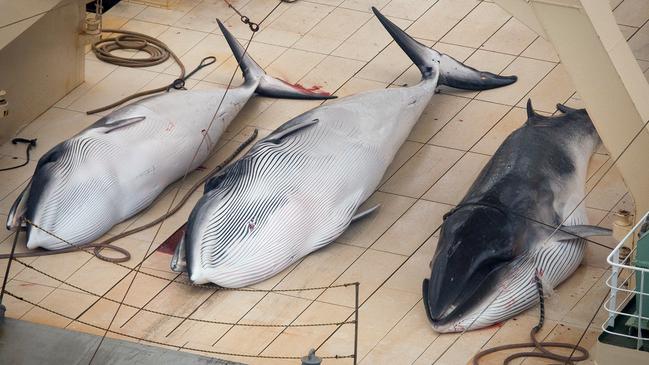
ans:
(500, 236)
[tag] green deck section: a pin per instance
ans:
(621, 326)
(642, 283)
(28, 343)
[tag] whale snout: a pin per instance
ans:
(65, 212)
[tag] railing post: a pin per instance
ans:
(640, 294)
(3, 309)
(612, 301)
(356, 305)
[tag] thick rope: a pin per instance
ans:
(542, 347)
(158, 52)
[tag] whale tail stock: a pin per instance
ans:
(268, 85)
(451, 72)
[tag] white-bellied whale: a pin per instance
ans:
(496, 242)
(299, 188)
(116, 167)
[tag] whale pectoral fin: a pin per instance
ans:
(276, 137)
(584, 230)
(365, 213)
(113, 125)
(179, 259)
(18, 210)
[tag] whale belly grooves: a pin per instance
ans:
(314, 171)
(314, 178)
(298, 189)
(157, 139)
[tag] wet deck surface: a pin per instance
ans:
(339, 46)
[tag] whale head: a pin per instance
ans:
(475, 249)
(68, 200)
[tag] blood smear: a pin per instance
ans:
(169, 245)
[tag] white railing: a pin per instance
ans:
(622, 290)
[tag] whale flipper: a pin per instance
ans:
(115, 125)
(365, 213)
(290, 130)
(583, 230)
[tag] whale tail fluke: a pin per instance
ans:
(268, 85)
(432, 63)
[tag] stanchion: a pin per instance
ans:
(356, 304)
(3, 309)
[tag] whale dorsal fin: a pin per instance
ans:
(566, 109)
(536, 119)
(364, 213)
(530, 109)
(582, 230)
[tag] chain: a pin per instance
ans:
(254, 27)
(166, 344)
(181, 317)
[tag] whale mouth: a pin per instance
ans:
(445, 312)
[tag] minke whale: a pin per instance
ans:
(299, 188)
(121, 163)
(501, 237)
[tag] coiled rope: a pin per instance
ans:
(542, 347)
(158, 53)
